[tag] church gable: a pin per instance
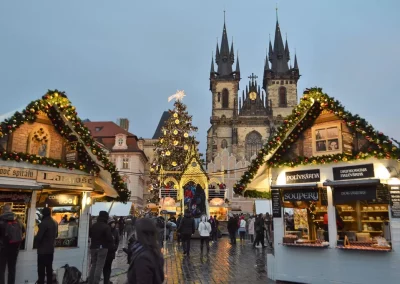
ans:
(320, 131)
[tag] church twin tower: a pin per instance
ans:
(243, 123)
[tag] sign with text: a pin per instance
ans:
(303, 176)
(354, 172)
(6, 196)
(344, 194)
(276, 203)
(18, 173)
(71, 156)
(65, 179)
(395, 201)
(54, 200)
(308, 194)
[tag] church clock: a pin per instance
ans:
(253, 96)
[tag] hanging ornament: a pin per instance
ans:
(175, 115)
(175, 132)
(175, 142)
(162, 140)
(165, 132)
(174, 163)
(186, 147)
(186, 135)
(168, 153)
(176, 121)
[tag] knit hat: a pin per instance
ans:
(103, 214)
(46, 212)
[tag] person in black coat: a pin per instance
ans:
(45, 243)
(101, 241)
(259, 228)
(111, 251)
(186, 229)
(146, 266)
(232, 228)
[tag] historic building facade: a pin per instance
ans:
(242, 122)
(126, 152)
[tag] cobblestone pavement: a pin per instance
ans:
(224, 264)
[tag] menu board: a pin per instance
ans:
(323, 196)
(395, 201)
(382, 196)
(276, 203)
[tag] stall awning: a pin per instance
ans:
(16, 183)
(295, 185)
(101, 185)
(344, 183)
(67, 187)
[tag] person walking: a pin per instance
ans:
(215, 236)
(187, 229)
(242, 230)
(259, 228)
(204, 231)
(232, 228)
(213, 228)
(45, 243)
(11, 235)
(178, 235)
(251, 228)
(121, 227)
(111, 251)
(147, 264)
(101, 240)
(129, 226)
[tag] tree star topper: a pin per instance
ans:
(178, 96)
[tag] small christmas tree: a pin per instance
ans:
(172, 147)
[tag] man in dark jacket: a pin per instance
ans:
(232, 228)
(186, 229)
(111, 251)
(101, 241)
(45, 243)
(178, 223)
(259, 227)
(9, 245)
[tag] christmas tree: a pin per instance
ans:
(172, 147)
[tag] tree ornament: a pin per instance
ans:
(174, 164)
(176, 142)
(186, 135)
(168, 153)
(186, 147)
(175, 132)
(176, 121)
(175, 115)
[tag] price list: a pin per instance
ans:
(395, 201)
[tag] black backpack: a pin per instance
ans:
(72, 275)
(13, 232)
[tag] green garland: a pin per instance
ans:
(54, 104)
(303, 116)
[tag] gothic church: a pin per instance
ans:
(242, 123)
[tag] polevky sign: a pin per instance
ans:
(303, 176)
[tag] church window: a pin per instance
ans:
(219, 97)
(125, 163)
(282, 82)
(225, 98)
(253, 144)
(282, 97)
(224, 144)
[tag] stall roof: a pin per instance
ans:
(16, 183)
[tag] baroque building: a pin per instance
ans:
(242, 122)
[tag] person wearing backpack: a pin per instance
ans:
(204, 231)
(45, 243)
(11, 236)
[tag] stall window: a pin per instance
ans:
(20, 203)
(327, 140)
(305, 216)
(65, 212)
(362, 214)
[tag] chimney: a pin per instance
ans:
(123, 123)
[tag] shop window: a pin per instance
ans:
(253, 144)
(65, 211)
(39, 142)
(362, 215)
(305, 216)
(282, 97)
(327, 140)
(225, 98)
(125, 163)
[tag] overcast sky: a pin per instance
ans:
(124, 58)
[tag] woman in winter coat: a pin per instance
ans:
(204, 232)
(147, 264)
(251, 228)
(111, 251)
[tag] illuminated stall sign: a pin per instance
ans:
(307, 194)
(54, 200)
(354, 172)
(303, 176)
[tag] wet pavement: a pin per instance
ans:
(224, 264)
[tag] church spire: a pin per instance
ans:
(237, 63)
(225, 56)
(287, 53)
(296, 66)
(212, 71)
(266, 65)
